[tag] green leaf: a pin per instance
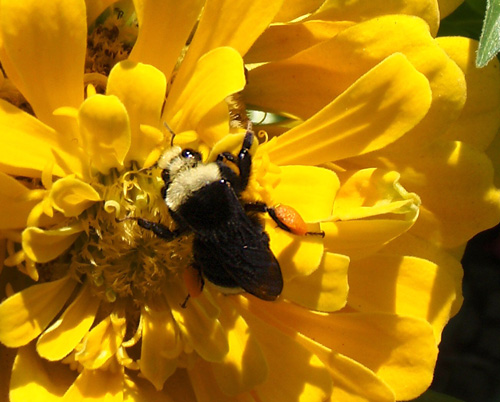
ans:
(432, 396)
(489, 43)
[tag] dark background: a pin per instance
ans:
(468, 366)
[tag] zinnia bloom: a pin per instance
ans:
(379, 139)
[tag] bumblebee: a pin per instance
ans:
(230, 246)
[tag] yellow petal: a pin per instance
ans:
(136, 389)
(308, 81)
(24, 315)
(480, 118)
(309, 190)
(141, 89)
(295, 373)
(281, 41)
(446, 7)
(16, 203)
(46, 44)
(245, 365)
(359, 238)
(65, 334)
(375, 111)
(403, 285)
(368, 193)
(401, 350)
(449, 265)
(452, 179)
(218, 74)
(205, 386)
(297, 255)
(102, 342)
(358, 10)
(28, 146)
(163, 32)
(72, 196)
(292, 9)
(325, 289)
(227, 23)
(45, 245)
(353, 382)
(199, 324)
(105, 131)
(96, 385)
(161, 345)
(34, 379)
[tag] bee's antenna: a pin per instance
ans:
(171, 132)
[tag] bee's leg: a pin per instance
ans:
(159, 230)
(245, 159)
(285, 217)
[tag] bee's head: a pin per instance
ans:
(175, 160)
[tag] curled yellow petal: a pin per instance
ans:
(370, 192)
(393, 94)
(24, 315)
(63, 336)
(45, 245)
(141, 89)
(105, 131)
(72, 196)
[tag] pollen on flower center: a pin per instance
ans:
(120, 258)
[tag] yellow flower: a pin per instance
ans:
(379, 142)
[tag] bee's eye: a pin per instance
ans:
(190, 154)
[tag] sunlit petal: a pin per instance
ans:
(97, 385)
(101, 342)
(399, 94)
(141, 89)
(325, 289)
(33, 379)
(28, 146)
(45, 245)
(49, 70)
(24, 315)
(105, 131)
(63, 336)
(319, 184)
(164, 30)
(480, 118)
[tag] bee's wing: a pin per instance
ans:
(239, 256)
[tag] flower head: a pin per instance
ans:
(373, 142)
